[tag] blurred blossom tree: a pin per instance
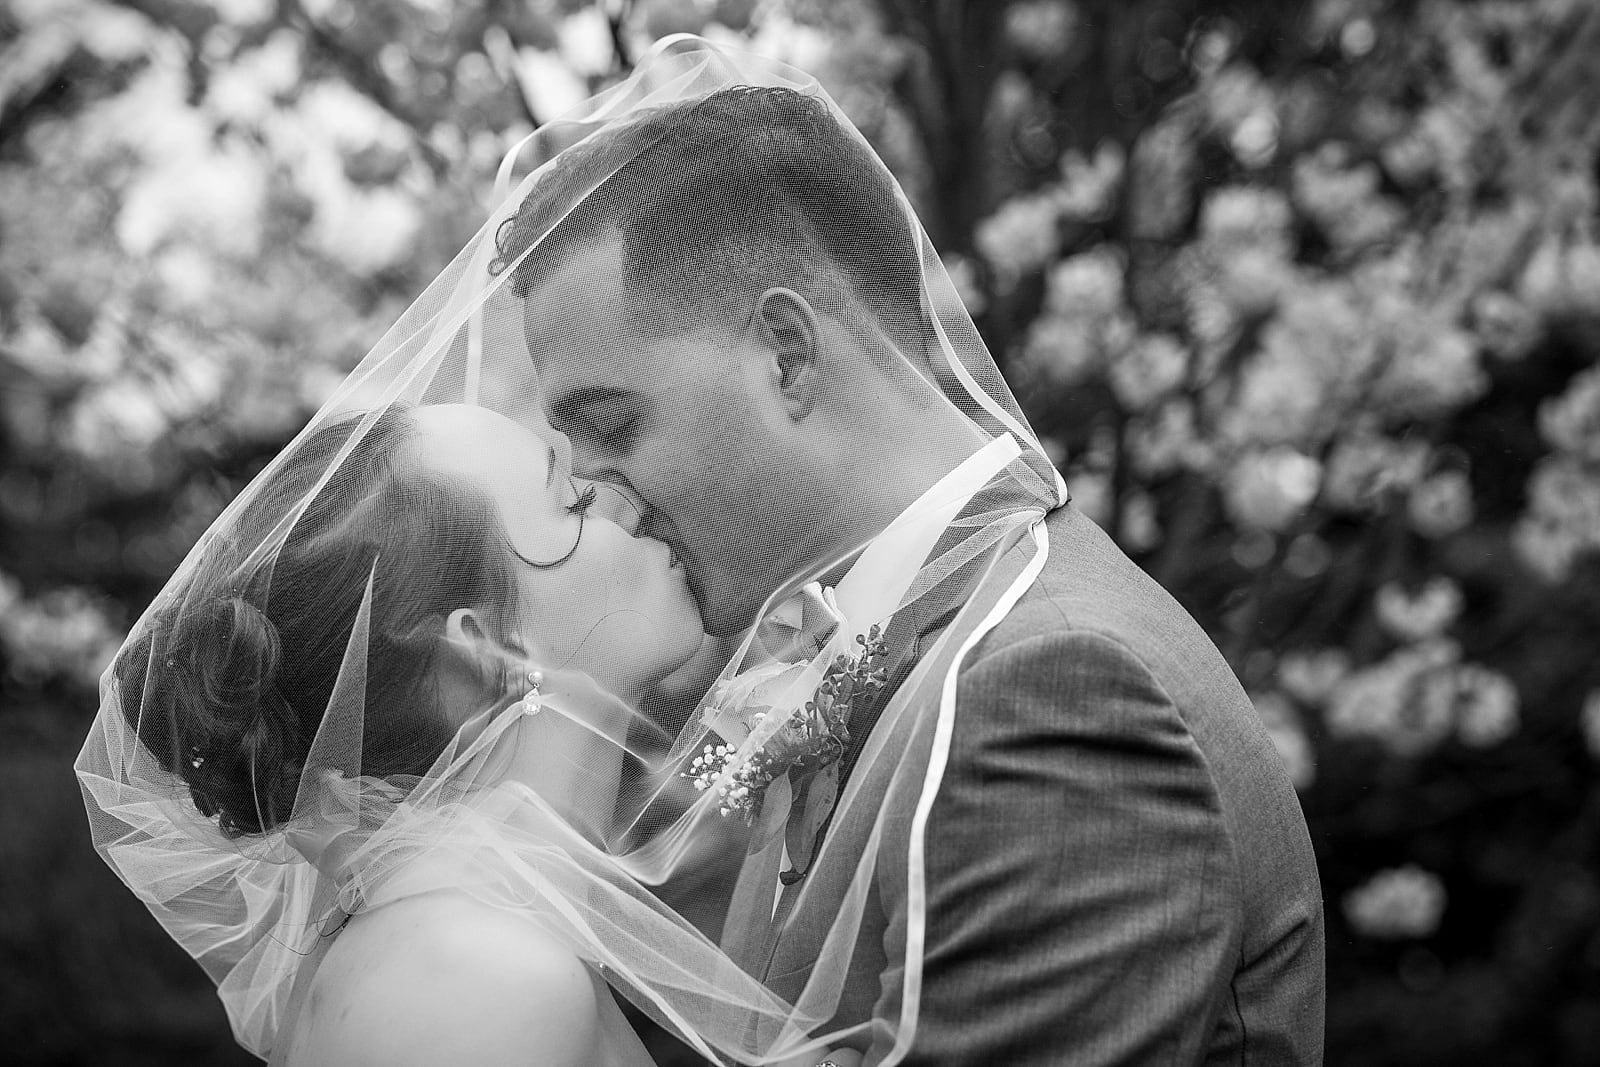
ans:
(1304, 297)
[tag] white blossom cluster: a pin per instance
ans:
(1441, 504)
(1269, 488)
(1419, 696)
(1399, 903)
(1041, 28)
(1021, 237)
(1418, 616)
(1242, 108)
(1312, 675)
(1562, 522)
(1343, 199)
(1365, 468)
(1589, 721)
(1085, 323)
(64, 633)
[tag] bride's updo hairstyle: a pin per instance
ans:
(242, 667)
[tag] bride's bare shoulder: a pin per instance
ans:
(441, 978)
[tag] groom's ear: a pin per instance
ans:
(787, 327)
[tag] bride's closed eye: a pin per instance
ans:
(580, 507)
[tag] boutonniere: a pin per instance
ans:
(813, 735)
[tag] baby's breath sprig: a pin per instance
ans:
(741, 791)
(810, 739)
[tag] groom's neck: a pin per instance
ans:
(899, 461)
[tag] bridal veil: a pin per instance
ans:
(713, 807)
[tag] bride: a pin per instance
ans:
(374, 756)
(509, 621)
(439, 976)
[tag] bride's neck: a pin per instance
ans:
(574, 764)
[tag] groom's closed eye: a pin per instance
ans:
(609, 437)
(615, 435)
(603, 419)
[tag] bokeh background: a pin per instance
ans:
(1304, 295)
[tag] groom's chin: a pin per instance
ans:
(726, 617)
(722, 612)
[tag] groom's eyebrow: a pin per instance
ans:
(550, 468)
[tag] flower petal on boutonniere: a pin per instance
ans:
(798, 628)
(735, 703)
(727, 721)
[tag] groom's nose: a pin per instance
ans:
(619, 504)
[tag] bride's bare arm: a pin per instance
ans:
(440, 979)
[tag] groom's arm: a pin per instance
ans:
(1081, 884)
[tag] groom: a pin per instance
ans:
(1118, 871)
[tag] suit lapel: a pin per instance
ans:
(909, 632)
(912, 634)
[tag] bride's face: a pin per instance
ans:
(593, 597)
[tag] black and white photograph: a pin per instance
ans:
(800, 533)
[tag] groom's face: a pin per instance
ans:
(689, 420)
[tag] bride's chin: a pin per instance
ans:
(655, 669)
(693, 672)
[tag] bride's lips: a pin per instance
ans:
(679, 564)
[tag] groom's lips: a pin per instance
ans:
(653, 523)
(677, 560)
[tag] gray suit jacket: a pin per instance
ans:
(1118, 871)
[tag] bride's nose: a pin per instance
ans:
(617, 503)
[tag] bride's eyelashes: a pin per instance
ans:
(579, 507)
(585, 500)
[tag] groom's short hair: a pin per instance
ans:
(721, 197)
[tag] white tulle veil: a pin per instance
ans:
(253, 825)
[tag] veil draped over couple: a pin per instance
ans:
(675, 608)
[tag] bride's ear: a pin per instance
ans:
(787, 327)
(464, 629)
(468, 644)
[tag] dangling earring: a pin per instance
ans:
(530, 699)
